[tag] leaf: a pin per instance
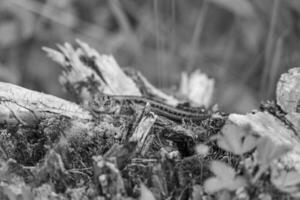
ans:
(236, 139)
(17, 191)
(268, 150)
(212, 185)
(222, 170)
(287, 181)
(146, 194)
(225, 178)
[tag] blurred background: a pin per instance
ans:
(243, 44)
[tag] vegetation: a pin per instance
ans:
(100, 148)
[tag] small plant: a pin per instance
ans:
(259, 164)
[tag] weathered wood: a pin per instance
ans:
(142, 130)
(86, 65)
(198, 88)
(288, 91)
(102, 74)
(20, 105)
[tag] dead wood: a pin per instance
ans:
(109, 148)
